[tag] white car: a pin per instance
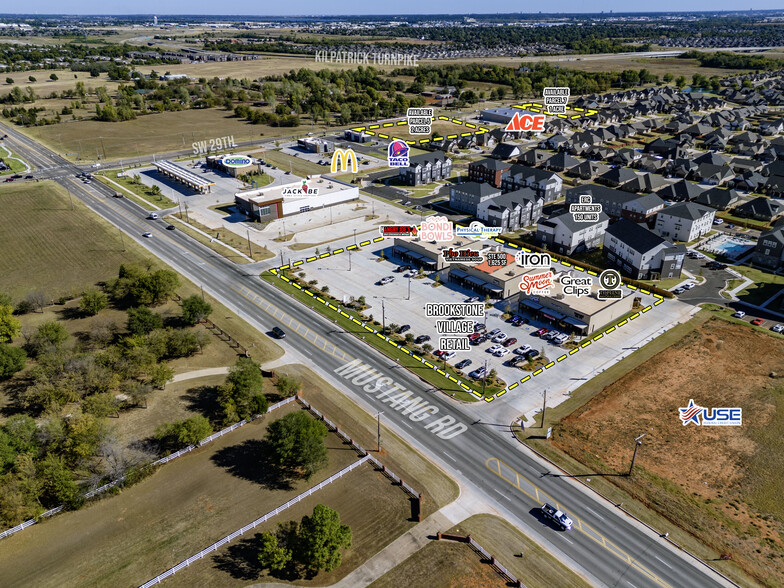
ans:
(718, 221)
(493, 333)
(739, 314)
(148, 234)
(778, 328)
(96, 165)
(522, 349)
(500, 338)
(560, 339)
(448, 355)
(501, 352)
(549, 335)
(495, 348)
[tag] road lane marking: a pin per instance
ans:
(502, 494)
(664, 562)
(532, 491)
(450, 457)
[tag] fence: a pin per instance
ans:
(497, 566)
(362, 451)
(163, 460)
(249, 526)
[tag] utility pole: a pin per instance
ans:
(378, 416)
(250, 249)
(484, 378)
(122, 239)
(544, 407)
(202, 292)
(383, 319)
(103, 148)
(70, 198)
(355, 237)
(281, 257)
(637, 443)
(349, 260)
(409, 288)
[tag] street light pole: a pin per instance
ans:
(637, 444)
(349, 260)
(484, 378)
(409, 288)
(250, 249)
(378, 416)
(383, 319)
(355, 237)
(544, 407)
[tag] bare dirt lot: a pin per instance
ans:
(723, 484)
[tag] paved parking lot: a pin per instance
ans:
(403, 302)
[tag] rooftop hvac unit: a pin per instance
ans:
(559, 296)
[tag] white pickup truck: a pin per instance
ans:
(558, 517)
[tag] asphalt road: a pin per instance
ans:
(607, 545)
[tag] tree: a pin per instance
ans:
(241, 397)
(288, 385)
(178, 434)
(142, 320)
(155, 190)
(297, 442)
(160, 374)
(53, 77)
(680, 81)
(12, 360)
(31, 78)
(195, 309)
(9, 80)
(37, 299)
(668, 77)
(320, 539)
(271, 555)
(49, 335)
(58, 483)
(10, 326)
(92, 302)
(100, 405)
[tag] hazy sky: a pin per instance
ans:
(398, 7)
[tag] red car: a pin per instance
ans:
(509, 342)
(757, 321)
(438, 353)
(474, 336)
(541, 332)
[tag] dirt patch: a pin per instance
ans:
(718, 483)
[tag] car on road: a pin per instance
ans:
(169, 227)
(531, 354)
(278, 332)
(404, 328)
(9, 179)
(509, 342)
(463, 364)
(153, 216)
(777, 328)
(500, 338)
(494, 348)
(501, 352)
(29, 177)
(758, 321)
(147, 234)
(522, 349)
(556, 516)
(478, 373)
(96, 165)
(117, 195)
(541, 332)
(739, 314)
(422, 339)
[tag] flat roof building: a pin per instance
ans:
(183, 176)
(269, 203)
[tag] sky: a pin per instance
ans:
(398, 7)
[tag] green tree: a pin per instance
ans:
(142, 320)
(12, 360)
(50, 335)
(179, 434)
(31, 78)
(53, 77)
(194, 309)
(242, 397)
(668, 77)
(92, 302)
(9, 324)
(58, 483)
(297, 442)
(100, 405)
(288, 385)
(680, 81)
(159, 374)
(82, 437)
(321, 537)
(272, 555)
(9, 80)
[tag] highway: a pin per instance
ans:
(609, 547)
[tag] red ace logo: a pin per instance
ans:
(537, 284)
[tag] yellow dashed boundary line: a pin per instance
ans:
(371, 130)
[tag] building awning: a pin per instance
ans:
(531, 304)
(552, 315)
(457, 273)
(401, 249)
(493, 288)
(475, 281)
(575, 322)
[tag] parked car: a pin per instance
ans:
(479, 340)
(385, 280)
(447, 355)
(422, 339)
(549, 335)
(541, 332)
(463, 364)
(478, 373)
(493, 333)
(678, 291)
(278, 332)
(560, 339)
(522, 349)
(509, 342)
(438, 353)
(479, 327)
(500, 338)
(473, 299)
(531, 354)
(739, 314)
(718, 221)
(494, 348)
(688, 286)
(404, 328)
(501, 352)
(757, 321)
(777, 328)
(474, 336)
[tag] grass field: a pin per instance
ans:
(765, 285)
(376, 510)
(724, 505)
(441, 564)
(139, 193)
(11, 159)
(189, 503)
(47, 246)
(226, 237)
(296, 165)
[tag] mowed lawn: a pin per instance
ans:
(377, 511)
(44, 245)
(185, 506)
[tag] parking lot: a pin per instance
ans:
(402, 301)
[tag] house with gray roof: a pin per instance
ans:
(511, 211)
(761, 208)
(562, 234)
(546, 184)
(641, 254)
(718, 198)
(685, 221)
(769, 251)
(468, 196)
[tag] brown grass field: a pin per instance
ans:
(376, 510)
(722, 484)
(125, 540)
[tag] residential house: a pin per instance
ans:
(467, 197)
(769, 251)
(718, 198)
(617, 176)
(588, 170)
(488, 170)
(533, 157)
(714, 175)
(685, 221)
(561, 161)
(774, 186)
(761, 208)
(505, 151)
(562, 234)
(641, 254)
(682, 191)
(645, 183)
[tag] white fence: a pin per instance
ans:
(163, 460)
(249, 526)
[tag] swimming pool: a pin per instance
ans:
(731, 247)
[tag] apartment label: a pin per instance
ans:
(578, 287)
(462, 310)
(556, 99)
(585, 211)
(419, 120)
